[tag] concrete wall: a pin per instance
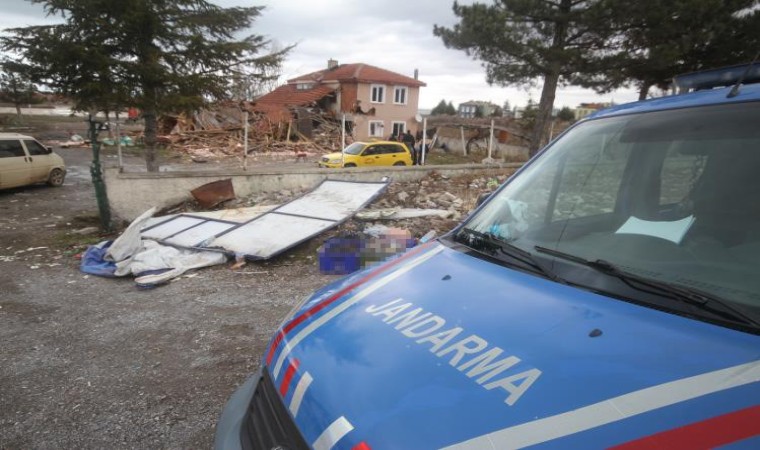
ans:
(130, 194)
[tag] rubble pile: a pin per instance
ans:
(456, 195)
(218, 131)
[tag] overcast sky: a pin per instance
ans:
(393, 34)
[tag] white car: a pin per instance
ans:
(25, 161)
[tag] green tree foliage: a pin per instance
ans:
(566, 114)
(16, 85)
(450, 110)
(159, 56)
(440, 109)
(657, 40)
(520, 41)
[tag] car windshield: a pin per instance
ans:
(669, 196)
(354, 149)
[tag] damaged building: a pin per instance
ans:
(376, 102)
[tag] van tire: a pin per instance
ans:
(56, 177)
(349, 165)
(399, 163)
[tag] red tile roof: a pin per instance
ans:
(289, 95)
(363, 73)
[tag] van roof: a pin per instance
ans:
(747, 93)
(14, 136)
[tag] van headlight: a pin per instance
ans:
(335, 161)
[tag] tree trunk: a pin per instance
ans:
(150, 140)
(544, 112)
(551, 78)
(19, 117)
(644, 90)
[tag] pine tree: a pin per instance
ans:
(522, 40)
(159, 56)
(440, 109)
(16, 85)
(658, 40)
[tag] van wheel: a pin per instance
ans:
(349, 165)
(399, 163)
(56, 177)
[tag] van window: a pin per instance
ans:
(669, 195)
(11, 148)
(35, 148)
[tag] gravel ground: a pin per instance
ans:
(88, 362)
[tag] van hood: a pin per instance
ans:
(439, 348)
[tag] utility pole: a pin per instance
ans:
(97, 175)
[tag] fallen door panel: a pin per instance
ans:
(171, 227)
(333, 200)
(198, 235)
(270, 234)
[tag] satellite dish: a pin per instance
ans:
(418, 118)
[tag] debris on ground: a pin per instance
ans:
(214, 193)
(342, 255)
(357, 224)
(275, 231)
(219, 131)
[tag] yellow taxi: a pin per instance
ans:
(369, 154)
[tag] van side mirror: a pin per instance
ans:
(49, 149)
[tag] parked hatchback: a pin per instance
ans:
(25, 161)
(606, 296)
(369, 154)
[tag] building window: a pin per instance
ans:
(376, 128)
(378, 93)
(398, 128)
(304, 86)
(399, 95)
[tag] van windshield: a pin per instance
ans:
(670, 196)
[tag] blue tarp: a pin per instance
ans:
(93, 262)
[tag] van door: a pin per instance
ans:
(40, 159)
(14, 164)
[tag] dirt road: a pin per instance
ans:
(87, 362)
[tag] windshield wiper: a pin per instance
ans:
(695, 297)
(491, 244)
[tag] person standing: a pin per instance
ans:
(408, 140)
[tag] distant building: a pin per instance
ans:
(584, 109)
(470, 109)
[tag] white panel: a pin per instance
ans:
(333, 200)
(171, 227)
(270, 234)
(197, 235)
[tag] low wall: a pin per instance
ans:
(131, 193)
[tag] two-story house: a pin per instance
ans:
(475, 108)
(376, 102)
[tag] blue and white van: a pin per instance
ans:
(606, 296)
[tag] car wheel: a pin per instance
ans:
(349, 165)
(56, 177)
(399, 163)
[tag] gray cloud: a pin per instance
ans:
(394, 34)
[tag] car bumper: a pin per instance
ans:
(329, 165)
(255, 418)
(230, 424)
